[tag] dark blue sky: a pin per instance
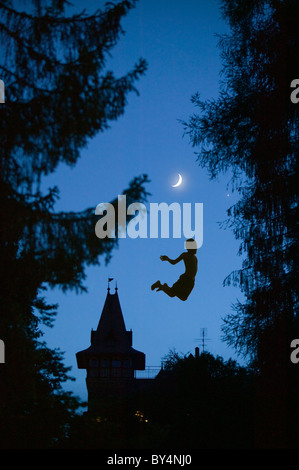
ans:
(177, 38)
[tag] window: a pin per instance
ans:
(115, 372)
(94, 363)
(116, 363)
(127, 373)
(105, 363)
(104, 372)
(93, 373)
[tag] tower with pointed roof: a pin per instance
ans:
(110, 360)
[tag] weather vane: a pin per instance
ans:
(109, 280)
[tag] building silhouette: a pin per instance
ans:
(110, 360)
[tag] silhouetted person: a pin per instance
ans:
(184, 285)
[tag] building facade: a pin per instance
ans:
(110, 360)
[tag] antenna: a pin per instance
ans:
(203, 338)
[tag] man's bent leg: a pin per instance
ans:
(168, 290)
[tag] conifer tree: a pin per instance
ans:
(251, 130)
(58, 95)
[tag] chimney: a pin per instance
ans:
(196, 352)
(130, 336)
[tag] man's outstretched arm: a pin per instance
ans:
(172, 261)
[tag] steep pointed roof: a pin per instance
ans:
(111, 337)
(111, 326)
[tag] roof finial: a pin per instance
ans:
(109, 280)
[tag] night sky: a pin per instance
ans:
(178, 40)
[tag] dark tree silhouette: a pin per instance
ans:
(201, 402)
(252, 130)
(195, 402)
(58, 96)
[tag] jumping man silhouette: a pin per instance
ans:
(184, 285)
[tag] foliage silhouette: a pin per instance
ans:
(252, 131)
(58, 96)
(194, 403)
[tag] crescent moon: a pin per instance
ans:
(178, 183)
